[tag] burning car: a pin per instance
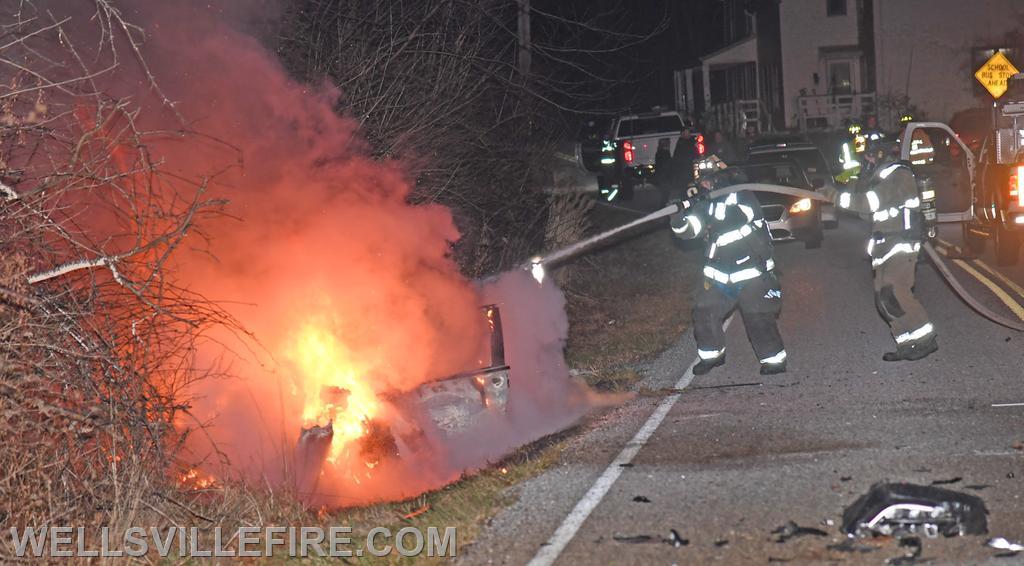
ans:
(443, 406)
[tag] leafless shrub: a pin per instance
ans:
(568, 222)
(95, 336)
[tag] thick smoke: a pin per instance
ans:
(321, 237)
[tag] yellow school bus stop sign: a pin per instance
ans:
(994, 74)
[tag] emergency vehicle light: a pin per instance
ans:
(1016, 182)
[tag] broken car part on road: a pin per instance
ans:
(904, 509)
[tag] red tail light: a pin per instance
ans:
(1017, 184)
(700, 144)
(627, 152)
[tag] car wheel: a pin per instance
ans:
(974, 242)
(1007, 246)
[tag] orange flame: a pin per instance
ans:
(194, 479)
(334, 389)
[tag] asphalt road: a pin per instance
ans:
(727, 465)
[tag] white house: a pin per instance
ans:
(811, 64)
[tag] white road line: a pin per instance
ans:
(574, 520)
(1008, 404)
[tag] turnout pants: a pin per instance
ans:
(759, 301)
(894, 297)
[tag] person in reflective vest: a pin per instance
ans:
(887, 191)
(738, 270)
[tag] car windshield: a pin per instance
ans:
(647, 126)
(810, 160)
(786, 174)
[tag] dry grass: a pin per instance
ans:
(629, 302)
(465, 505)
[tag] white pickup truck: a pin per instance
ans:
(639, 136)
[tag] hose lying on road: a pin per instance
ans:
(981, 309)
(581, 246)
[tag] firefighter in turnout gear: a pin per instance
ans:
(738, 271)
(888, 192)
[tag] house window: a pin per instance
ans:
(836, 7)
(840, 77)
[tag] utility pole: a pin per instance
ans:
(524, 37)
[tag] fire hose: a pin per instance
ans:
(947, 274)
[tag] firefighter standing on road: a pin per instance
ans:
(738, 270)
(888, 191)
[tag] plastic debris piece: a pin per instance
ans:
(791, 529)
(641, 499)
(675, 539)
(948, 482)
(1002, 544)
(634, 539)
(914, 552)
(903, 509)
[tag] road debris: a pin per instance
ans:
(641, 499)
(948, 482)
(914, 552)
(1001, 543)
(791, 530)
(904, 509)
(674, 539)
(634, 539)
(849, 546)
(721, 542)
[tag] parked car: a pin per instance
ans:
(802, 151)
(788, 217)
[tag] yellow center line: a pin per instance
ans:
(1016, 288)
(1009, 282)
(992, 286)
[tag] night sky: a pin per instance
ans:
(676, 33)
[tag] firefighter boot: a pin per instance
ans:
(704, 366)
(772, 369)
(913, 351)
